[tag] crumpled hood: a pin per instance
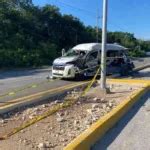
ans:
(64, 60)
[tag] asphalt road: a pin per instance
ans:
(13, 79)
(132, 132)
(143, 74)
(10, 80)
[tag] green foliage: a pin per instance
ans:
(34, 36)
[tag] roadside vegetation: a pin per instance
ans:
(34, 36)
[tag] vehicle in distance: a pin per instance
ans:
(84, 59)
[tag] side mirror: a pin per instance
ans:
(63, 52)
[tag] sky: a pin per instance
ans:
(123, 15)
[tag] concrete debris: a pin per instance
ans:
(103, 100)
(76, 122)
(44, 106)
(96, 99)
(89, 111)
(42, 146)
(104, 106)
(110, 104)
(23, 118)
(88, 122)
(60, 114)
(60, 119)
(31, 117)
(94, 106)
(57, 101)
(2, 121)
(111, 86)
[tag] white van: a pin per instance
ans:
(84, 59)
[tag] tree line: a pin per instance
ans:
(34, 36)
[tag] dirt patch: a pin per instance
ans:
(59, 129)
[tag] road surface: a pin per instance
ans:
(132, 132)
(10, 80)
(13, 79)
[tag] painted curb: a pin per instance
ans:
(90, 136)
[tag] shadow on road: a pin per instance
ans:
(112, 134)
(20, 73)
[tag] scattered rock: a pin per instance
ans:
(108, 108)
(78, 102)
(60, 114)
(42, 146)
(76, 122)
(110, 104)
(94, 106)
(66, 113)
(31, 117)
(104, 106)
(130, 89)
(57, 101)
(64, 140)
(44, 106)
(23, 118)
(89, 111)
(88, 122)
(103, 100)
(60, 119)
(2, 121)
(96, 99)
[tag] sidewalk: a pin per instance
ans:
(132, 132)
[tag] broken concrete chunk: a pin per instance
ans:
(42, 146)
(60, 119)
(95, 106)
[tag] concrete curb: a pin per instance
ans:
(89, 137)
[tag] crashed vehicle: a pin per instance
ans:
(84, 59)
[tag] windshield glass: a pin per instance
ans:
(75, 53)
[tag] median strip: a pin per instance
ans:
(89, 137)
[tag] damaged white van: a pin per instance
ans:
(84, 59)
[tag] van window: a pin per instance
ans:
(94, 54)
(113, 53)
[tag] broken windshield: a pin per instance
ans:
(75, 53)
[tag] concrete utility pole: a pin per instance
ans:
(97, 26)
(104, 42)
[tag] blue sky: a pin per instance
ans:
(123, 15)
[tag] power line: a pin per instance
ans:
(77, 8)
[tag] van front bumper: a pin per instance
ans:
(67, 72)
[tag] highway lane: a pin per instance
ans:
(10, 80)
(22, 83)
(143, 74)
(18, 79)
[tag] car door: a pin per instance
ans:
(92, 60)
